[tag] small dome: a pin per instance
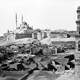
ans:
(25, 23)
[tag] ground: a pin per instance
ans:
(48, 75)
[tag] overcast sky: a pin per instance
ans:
(50, 14)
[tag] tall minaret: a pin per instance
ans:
(78, 20)
(22, 18)
(16, 19)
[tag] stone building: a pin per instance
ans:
(45, 33)
(78, 31)
(77, 55)
(37, 34)
(55, 34)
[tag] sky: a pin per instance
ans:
(43, 14)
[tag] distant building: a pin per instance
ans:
(45, 34)
(24, 31)
(58, 34)
(2, 38)
(71, 33)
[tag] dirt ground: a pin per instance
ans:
(45, 75)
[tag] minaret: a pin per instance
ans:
(16, 19)
(22, 18)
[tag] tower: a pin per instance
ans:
(78, 20)
(16, 19)
(22, 18)
(77, 40)
(78, 30)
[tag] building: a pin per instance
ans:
(23, 31)
(2, 39)
(72, 33)
(78, 30)
(58, 34)
(77, 55)
(45, 33)
(37, 34)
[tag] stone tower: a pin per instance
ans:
(78, 31)
(77, 40)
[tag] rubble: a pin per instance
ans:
(33, 56)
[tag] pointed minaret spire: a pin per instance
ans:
(22, 18)
(16, 19)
